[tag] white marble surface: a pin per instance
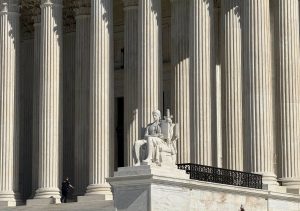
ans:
(153, 188)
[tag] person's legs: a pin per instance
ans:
(66, 196)
(63, 198)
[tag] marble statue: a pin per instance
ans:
(159, 143)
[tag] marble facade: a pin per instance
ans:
(79, 79)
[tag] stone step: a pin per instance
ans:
(79, 206)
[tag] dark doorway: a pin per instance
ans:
(119, 123)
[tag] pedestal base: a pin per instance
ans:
(9, 199)
(45, 196)
(149, 188)
(97, 191)
(290, 183)
(8, 203)
(268, 178)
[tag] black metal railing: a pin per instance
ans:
(223, 176)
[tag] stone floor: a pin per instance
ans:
(82, 206)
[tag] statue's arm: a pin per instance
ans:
(146, 132)
(159, 133)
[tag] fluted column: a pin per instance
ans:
(258, 88)
(49, 105)
(101, 78)
(9, 69)
(232, 63)
(131, 76)
(289, 67)
(35, 102)
(180, 75)
(82, 79)
(201, 49)
(149, 60)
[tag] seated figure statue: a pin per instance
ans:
(159, 143)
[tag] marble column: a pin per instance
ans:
(289, 94)
(9, 69)
(180, 75)
(149, 60)
(258, 89)
(232, 63)
(82, 79)
(101, 92)
(131, 77)
(49, 99)
(201, 65)
(35, 102)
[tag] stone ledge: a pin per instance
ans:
(275, 188)
(293, 191)
(37, 202)
(92, 198)
(8, 203)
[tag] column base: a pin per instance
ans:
(290, 182)
(98, 191)
(9, 199)
(46, 193)
(268, 178)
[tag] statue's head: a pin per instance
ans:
(156, 115)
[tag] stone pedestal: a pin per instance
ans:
(149, 188)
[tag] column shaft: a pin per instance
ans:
(258, 88)
(201, 65)
(35, 102)
(149, 60)
(9, 69)
(101, 95)
(82, 79)
(49, 98)
(180, 76)
(232, 63)
(289, 64)
(131, 76)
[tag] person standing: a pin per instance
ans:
(65, 188)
